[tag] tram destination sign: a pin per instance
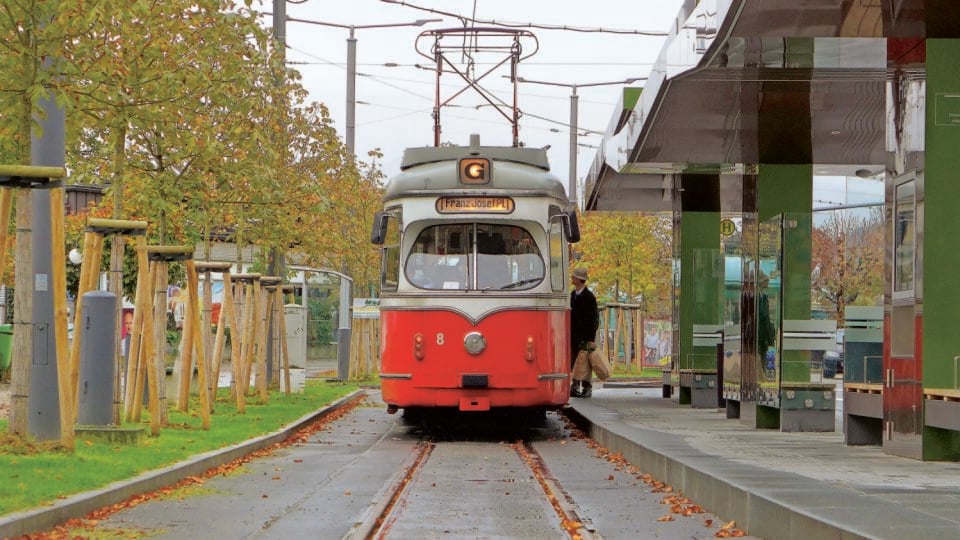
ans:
(486, 205)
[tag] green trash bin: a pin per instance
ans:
(6, 345)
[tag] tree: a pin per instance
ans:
(848, 261)
(201, 128)
(156, 88)
(32, 64)
(629, 258)
(182, 110)
(340, 233)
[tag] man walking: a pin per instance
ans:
(584, 321)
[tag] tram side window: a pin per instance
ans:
(390, 268)
(557, 282)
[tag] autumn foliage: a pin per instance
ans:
(628, 255)
(191, 120)
(847, 262)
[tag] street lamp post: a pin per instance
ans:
(574, 124)
(350, 129)
(574, 108)
(351, 124)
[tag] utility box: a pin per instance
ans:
(295, 317)
(98, 319)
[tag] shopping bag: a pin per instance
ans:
(599, 365)
(581, 367)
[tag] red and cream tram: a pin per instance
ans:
(474, 295)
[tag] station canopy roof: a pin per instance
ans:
(744, 82)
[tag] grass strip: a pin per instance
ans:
(34, 473)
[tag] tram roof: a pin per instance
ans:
(429, 170)
(536, 157)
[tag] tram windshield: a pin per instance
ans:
(480, 256)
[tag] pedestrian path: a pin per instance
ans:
(775, 485)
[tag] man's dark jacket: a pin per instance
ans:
(584, 319)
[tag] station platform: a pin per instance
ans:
(773, 484)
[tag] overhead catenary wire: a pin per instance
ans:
(428, 98)
(469, 63)
(388, 118)
(410, 112)
(527, 63)
(510, 24)
(467, 21)
(371, 77)
(380, 78)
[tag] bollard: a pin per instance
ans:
(98, 320)
(343, 330)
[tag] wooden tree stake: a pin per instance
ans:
(193, 311)
(6, 203)
(141, 307)
(153, 363)
(65, 368)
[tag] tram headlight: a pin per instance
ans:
(474, 170)
(474, 343)
(418, 346)
(531, 353)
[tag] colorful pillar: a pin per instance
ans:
(921, 391)
(777, 282)
(700, 302)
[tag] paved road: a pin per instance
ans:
(326, 486)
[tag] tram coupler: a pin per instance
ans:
(392, 409)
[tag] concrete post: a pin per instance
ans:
(43, 403)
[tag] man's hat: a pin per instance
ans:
(580, 274)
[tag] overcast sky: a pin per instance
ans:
(397, 101)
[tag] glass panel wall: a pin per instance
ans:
(768, 279)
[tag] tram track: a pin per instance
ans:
(373, 519)
(418, 486)
(367, 476)
(576, 525)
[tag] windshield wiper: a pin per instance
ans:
(512, 285)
